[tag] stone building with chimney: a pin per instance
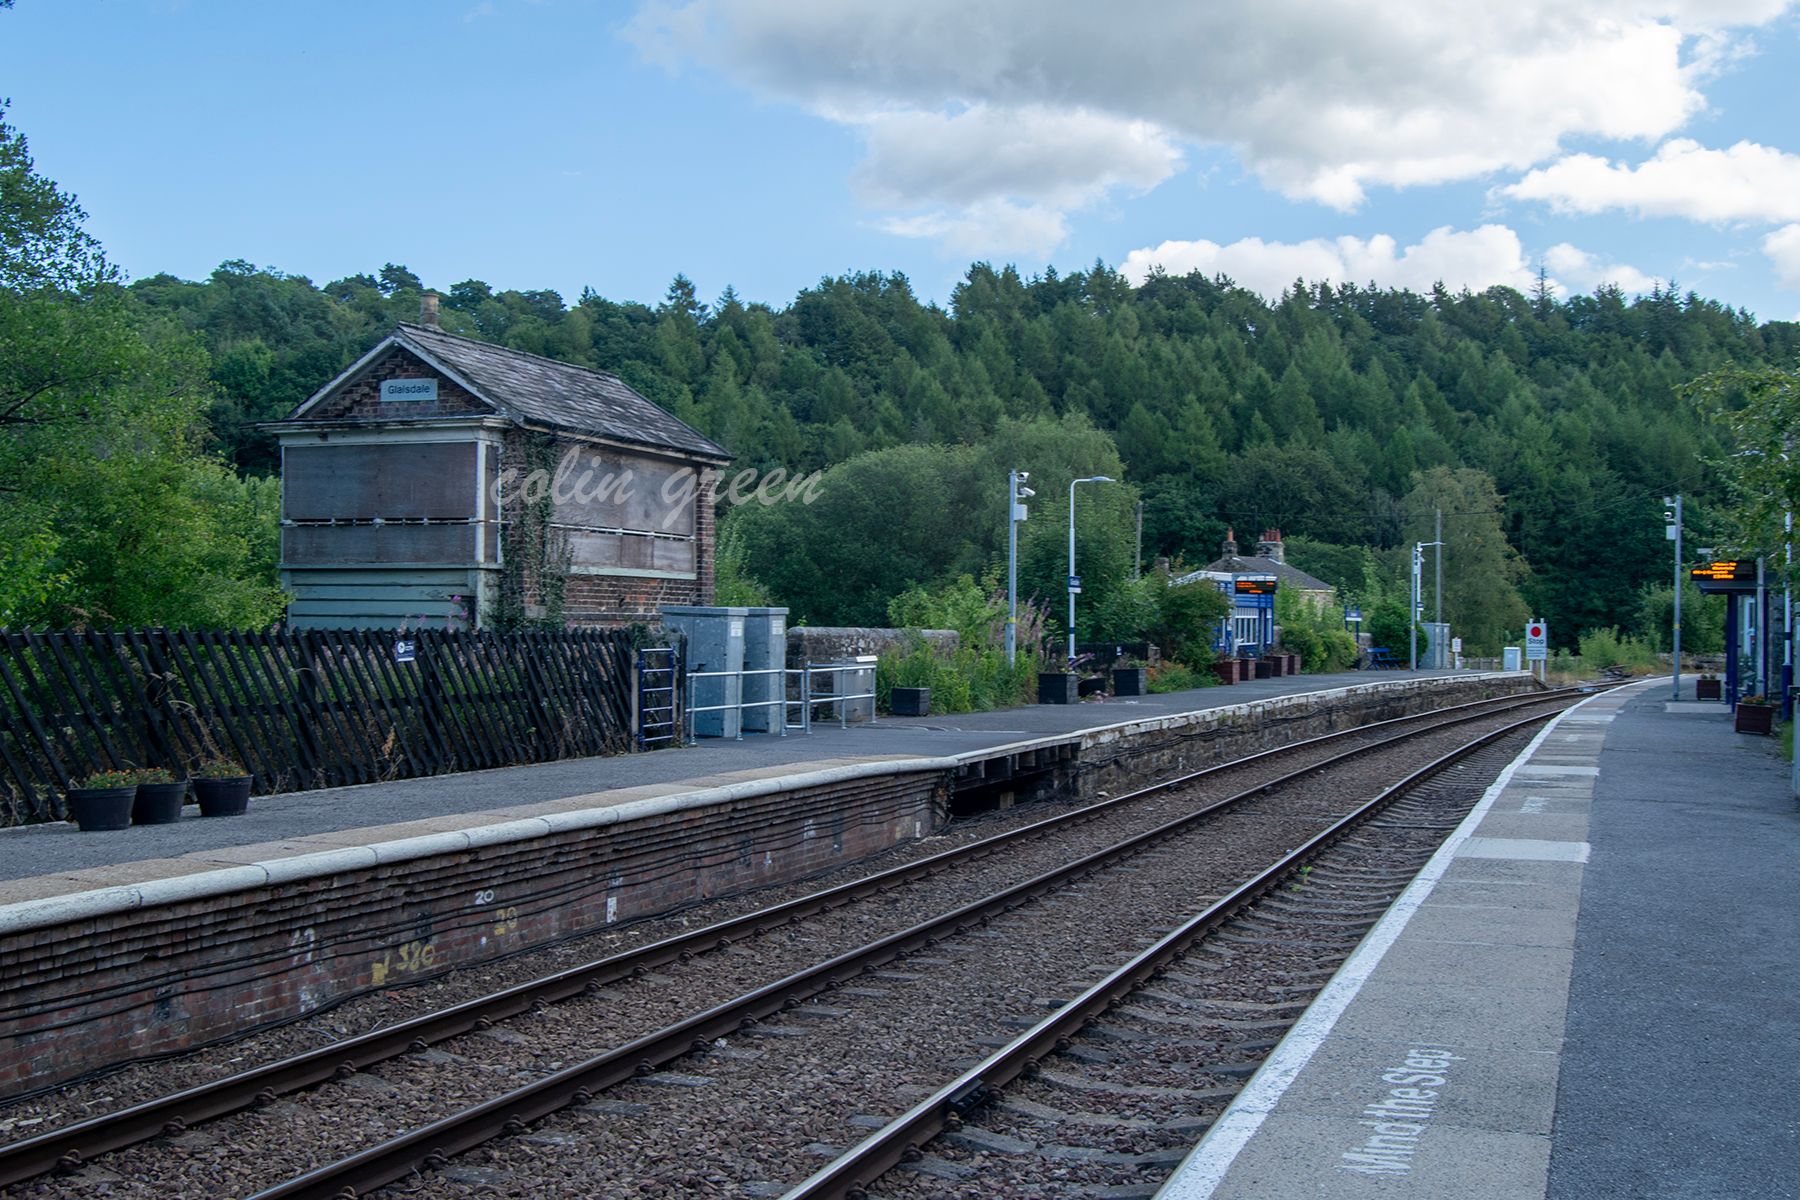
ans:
(1250, 582)
(440, 480)
(1270, 559)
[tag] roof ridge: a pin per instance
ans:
(555, 362)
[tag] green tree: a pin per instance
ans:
(1482, 572)
(1759, 411)
(113, 513)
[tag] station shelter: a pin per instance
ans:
(1750, 663)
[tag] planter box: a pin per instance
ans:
(1131, 681)
(1754, 718)
(1293, 664)
(1264, 668)
(910, 702)
(223, 797)
(159, 803)
(1277, 664)
(1246, 669)
(1058, 687)
(1708, 689)
(1227, 671)
(101, 808)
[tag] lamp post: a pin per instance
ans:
(1418, 603)
(1074, 585)
(1673, 517)
(1016, 495)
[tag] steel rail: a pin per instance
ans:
(430, 1146)
(852, 1172)
(71, 1145)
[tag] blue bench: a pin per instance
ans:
(1382, 659)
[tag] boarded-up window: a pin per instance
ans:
(317, 545)
(398, 480)
(601, 490)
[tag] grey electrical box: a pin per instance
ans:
(1437, 645)
(765, 649)
(715, 653)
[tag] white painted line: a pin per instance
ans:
(1524, 849)
(1553, 769)
(1205, 1168)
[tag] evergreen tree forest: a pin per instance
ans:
(1546, 429)
(1543, 429)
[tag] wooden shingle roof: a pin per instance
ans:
(534, 390)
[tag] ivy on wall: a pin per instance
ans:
(534, 577)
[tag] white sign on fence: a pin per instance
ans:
(1537, 642)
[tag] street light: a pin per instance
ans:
(1672, 515)
(1074, 581)
(1016, 495)
(1418, 602)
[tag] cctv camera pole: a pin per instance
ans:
(1013, 516)
(1439, 657)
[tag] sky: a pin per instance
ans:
(765, 144)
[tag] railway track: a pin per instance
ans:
(659, 979)
(1110, 1091)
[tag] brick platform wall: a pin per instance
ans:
(91, 993)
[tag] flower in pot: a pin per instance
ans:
(159, 797)
(222, 787)
(103, 800)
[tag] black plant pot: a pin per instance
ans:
(159, 803)
(1131, 681)
(1708, 689)
(1058, 687)
(910, 702)
(223, 797)
(101, 808)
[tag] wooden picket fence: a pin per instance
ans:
(301, 709)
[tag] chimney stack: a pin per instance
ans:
(1229, 547)
(1269, 546)
(428, 309)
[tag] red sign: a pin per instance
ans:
(1537, 631)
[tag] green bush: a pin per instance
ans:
(1388, 626)
(1189, 620)
(967, 679)
(1603, 648)
(1315, 632)
(1177, 677)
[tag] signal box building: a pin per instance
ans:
(443, 481)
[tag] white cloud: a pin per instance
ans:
(987, 227)
(1783, 249)
(1748, 182)
(1475, 259)
(1065, 159)
(964, 103)
(1578, 269)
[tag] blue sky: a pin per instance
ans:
(767, 143)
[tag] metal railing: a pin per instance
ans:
(837, 696)
(796, 688)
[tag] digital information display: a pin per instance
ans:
(1255, 587)
(1725, 575)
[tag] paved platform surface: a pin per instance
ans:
(53, 859)
(1592, 991)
